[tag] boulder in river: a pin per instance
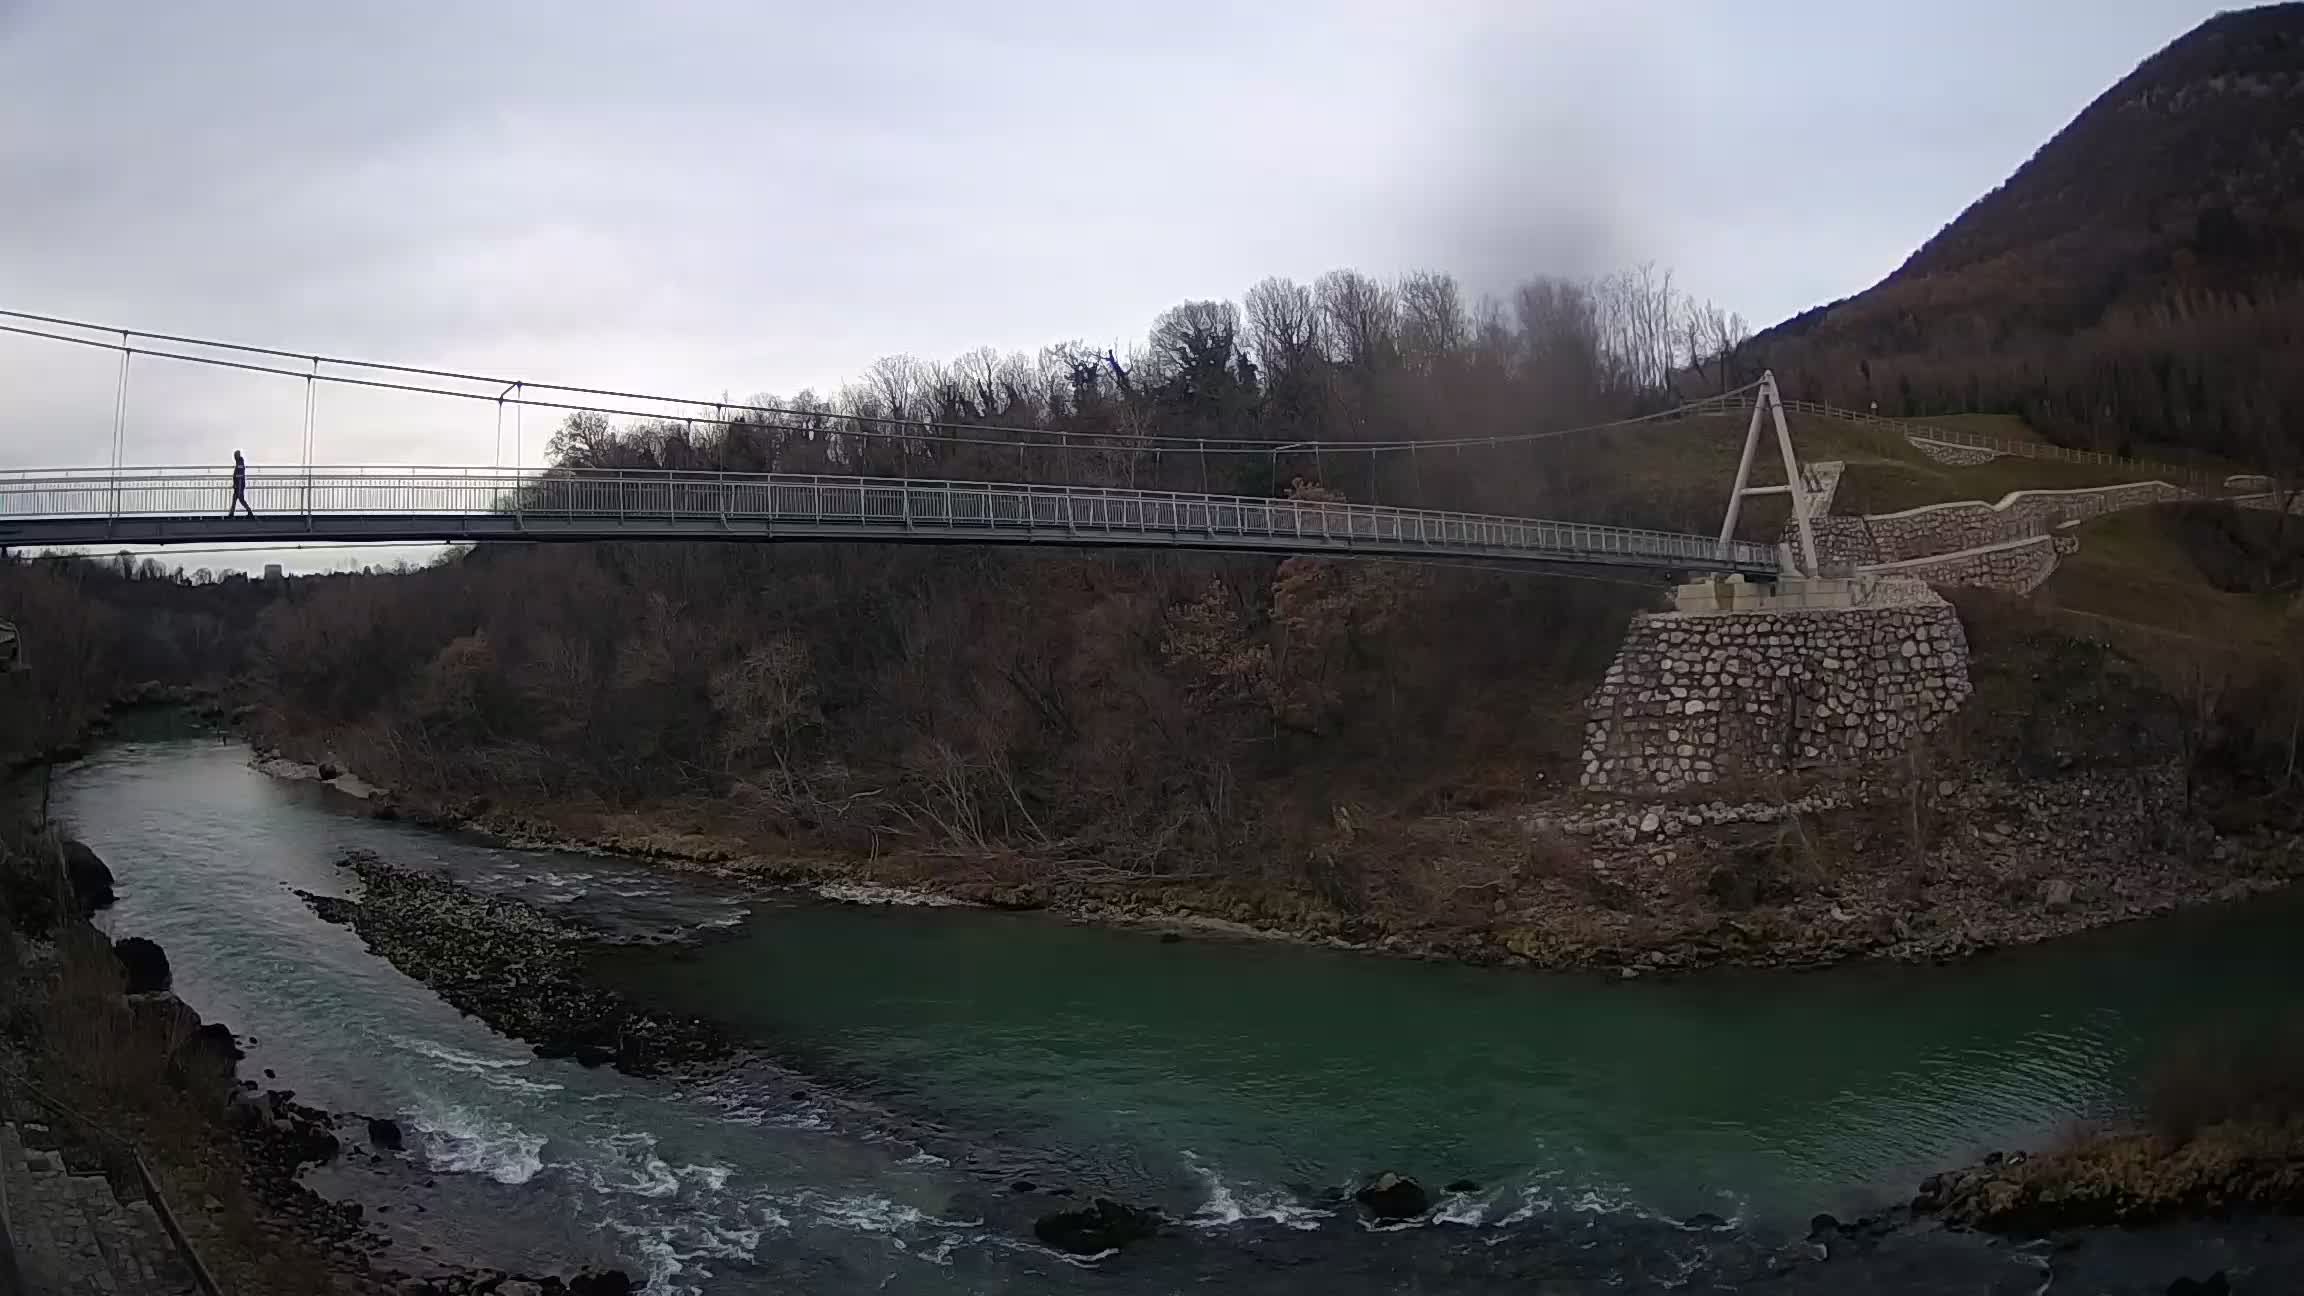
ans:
(1103, 1225)
(215, 1041)
(144, 963)
(86, 874)
(385, 1133)
(606, 1282)
(1462, 1186)
(1393, 1197)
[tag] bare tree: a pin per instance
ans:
(1283, 328)
(1433, 325)
(1197, 338)
(1559, 335)
(900, 385)
(1363, 320)
(1713, 340)
(1638, 311)
(583, 440)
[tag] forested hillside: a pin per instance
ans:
(2137, 286)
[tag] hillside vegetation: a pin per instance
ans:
(2137, 286)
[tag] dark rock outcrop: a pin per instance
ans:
(606, 1282)
(330, 909)
(1393, 1197)
(215, 1041)
(385, 1133)
(87, 875)
(163, 1017)
(1103, 1225)
(143, 963)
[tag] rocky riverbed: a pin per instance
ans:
(512, 966)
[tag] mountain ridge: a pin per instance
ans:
(2136, 284)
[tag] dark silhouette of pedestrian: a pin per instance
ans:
(239, 486)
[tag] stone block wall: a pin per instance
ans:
(1822, 479)
(1946, 452)
(2271, 502)
(1942, 528)
(2016, 566)
(1694, 699)
(1844, 540)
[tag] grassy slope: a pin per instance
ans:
(2134, 577)
(2136, 580)
(2007, 427)
(1676, 475)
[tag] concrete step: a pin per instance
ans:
(73, 1234)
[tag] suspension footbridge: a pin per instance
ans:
(126, 505)
(185, 505)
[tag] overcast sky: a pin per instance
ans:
(760, 197)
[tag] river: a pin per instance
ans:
(914, 1063)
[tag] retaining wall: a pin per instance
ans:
(2015, 566)
(1945, 452)
(1693, 699)
(1936, 529)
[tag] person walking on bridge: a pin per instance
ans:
(239, 486)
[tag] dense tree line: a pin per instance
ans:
(100, 629)
(1146, 713)
(1154, 712)
(1226, 396)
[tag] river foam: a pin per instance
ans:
(633, 1167)
(1228, 1205)
(497, 1073)
(458, 1140)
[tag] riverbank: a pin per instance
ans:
(97, 1022)
(1808, 877)
(2218, 1129)
(1258, 1082)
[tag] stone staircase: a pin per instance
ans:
(73, 1235)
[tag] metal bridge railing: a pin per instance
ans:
(746, 503)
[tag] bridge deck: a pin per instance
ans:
(171, 506)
